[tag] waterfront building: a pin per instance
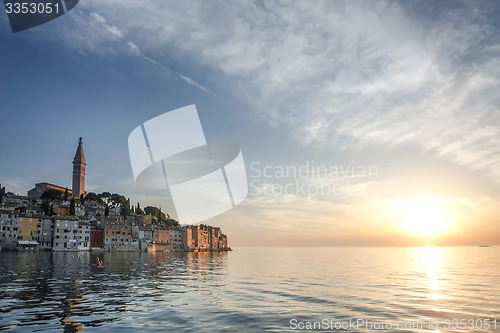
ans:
(188, 242)
(83, 235)
(27, 228)
(71, 234)
(177, 239)
(144, 235)
(118, 235)
(215, 234)
(45, 233)
(223, 243)
(162, 239)
(200, 235)
(8, 229)
(96, 238)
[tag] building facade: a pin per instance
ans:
(8, 229)
(70, 233)
(37, 191)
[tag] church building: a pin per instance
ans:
(79, 165)
(78, 185)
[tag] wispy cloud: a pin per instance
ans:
(97, 35)
(196, 84)
(134, 49)
(345, 74)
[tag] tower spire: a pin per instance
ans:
(79, 166)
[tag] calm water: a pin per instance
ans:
(249, 290)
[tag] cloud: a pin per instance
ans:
(134, 49)
(97, 35)
(196, 84)
(344, 74)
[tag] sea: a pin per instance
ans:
(337, 289)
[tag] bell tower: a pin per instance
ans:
(79, 165)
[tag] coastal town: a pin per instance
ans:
(55, 218)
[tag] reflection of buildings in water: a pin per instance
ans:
(123, 263)
(206, 272)
(71, 307)
(67, 284)
(205, 263)
(58, 281)
(67, 270)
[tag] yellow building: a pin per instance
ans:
(27, 228)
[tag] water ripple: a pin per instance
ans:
(248, 290)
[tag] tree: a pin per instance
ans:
(106, 211)
(45, 206)
(154, 211)
(91, 196)
(51, 210)
(138, 210)
(125, 209)
(72, 209)
(171, 223)
(66, 194)
(118, 199)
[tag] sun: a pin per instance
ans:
(423, 217)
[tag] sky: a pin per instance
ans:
(361, 123)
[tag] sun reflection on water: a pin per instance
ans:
(431, 258)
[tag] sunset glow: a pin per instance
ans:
(423, 217)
